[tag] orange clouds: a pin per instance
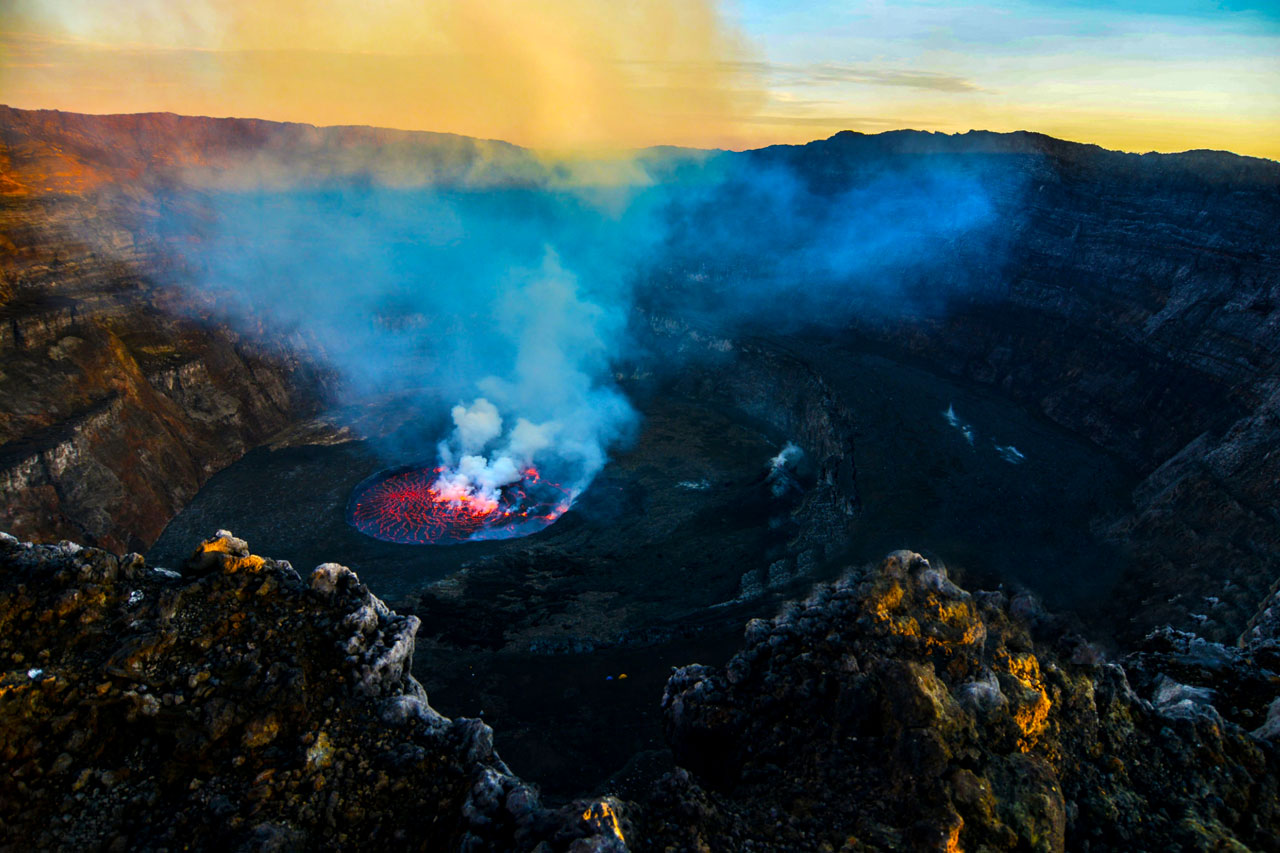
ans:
(554, 73)
(608, 74)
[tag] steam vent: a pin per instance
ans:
(372, 489)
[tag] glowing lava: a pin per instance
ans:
(416, 506)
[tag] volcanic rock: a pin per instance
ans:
(1130, 299)
(237, 705)
(108, 392)
(894, 710)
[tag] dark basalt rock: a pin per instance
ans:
(894, 710)
(236, 705)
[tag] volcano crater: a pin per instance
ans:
(563, 638)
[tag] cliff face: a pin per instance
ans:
(50, 152)
(1141, 308)
(238, 705)
(115, 409)
(1133, 299)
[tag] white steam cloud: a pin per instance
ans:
(506, 305)
(475, 471)
(563, 343)
(476, 425)
(781, 477)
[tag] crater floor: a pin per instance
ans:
(563, 640)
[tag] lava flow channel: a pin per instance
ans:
(408, 505)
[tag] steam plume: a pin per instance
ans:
(504, 307)
(507, 306)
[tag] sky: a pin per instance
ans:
(1134, 75)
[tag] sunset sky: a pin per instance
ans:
(570, 74)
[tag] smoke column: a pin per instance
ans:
(507, 306)
(815, 235)
(504, 307)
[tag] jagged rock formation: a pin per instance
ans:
(1131, 299)
(893, 710)
(238, 706)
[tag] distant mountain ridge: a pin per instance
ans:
(50, 151)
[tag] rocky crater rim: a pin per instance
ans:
(269, 707)
(239, 674)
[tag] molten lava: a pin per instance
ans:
(418, 506)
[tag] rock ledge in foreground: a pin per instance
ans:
(237, 705)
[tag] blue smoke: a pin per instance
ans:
(785, 240)
(518, 295)
(522, 295)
